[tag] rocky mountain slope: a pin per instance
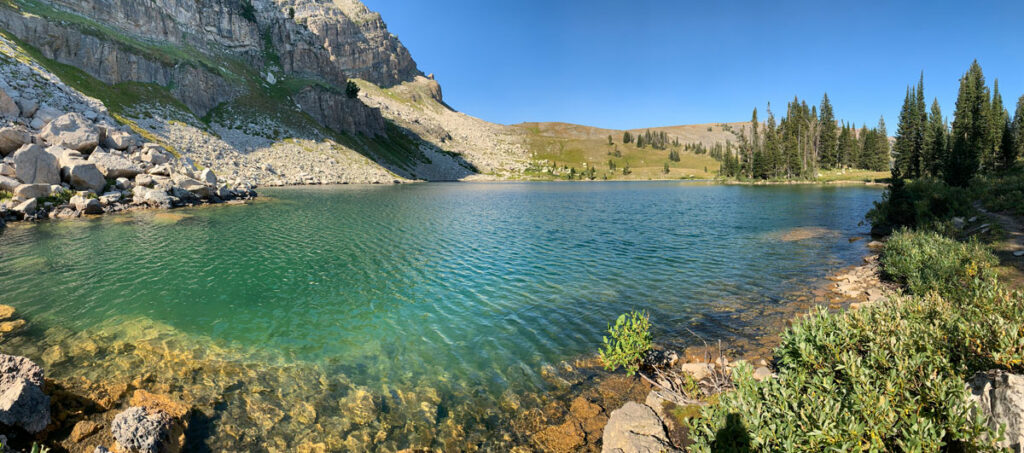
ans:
(258, 90)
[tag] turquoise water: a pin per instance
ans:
(474, 286)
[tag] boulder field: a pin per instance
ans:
(71, 165)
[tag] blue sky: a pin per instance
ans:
(643, 63)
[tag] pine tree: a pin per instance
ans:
(883, 153)
(920, 123)
(906, 129)
(998, 117)
(1011, 153)
(971, 125)
(935, 142)
(828, 140)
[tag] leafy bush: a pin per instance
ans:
(889, 377)
(921, 204)
(885, 378)
(1004, 192)
(630, 341)
(925, 261)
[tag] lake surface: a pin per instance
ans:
(417, 310)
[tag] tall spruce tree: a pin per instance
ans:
(828, 141)
(998, 117)
(970, 135)
(920, 123)
(906, 130)
(935, 142)
(1016, 148)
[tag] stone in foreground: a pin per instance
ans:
(1000, 396)
(635, 428)
(22, 401)
(72, 131)
(34, 165)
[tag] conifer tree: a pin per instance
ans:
(935, 142)
(970, 135)
(906, 130)
(828, 140)
(998, 117)
(920, 123)
(1016, 148)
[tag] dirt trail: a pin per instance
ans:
(1010, 249)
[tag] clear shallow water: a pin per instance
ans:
(475, 286)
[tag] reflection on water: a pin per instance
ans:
(428, 315)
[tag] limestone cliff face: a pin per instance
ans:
(208, 52)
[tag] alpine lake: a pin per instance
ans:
(444, 316)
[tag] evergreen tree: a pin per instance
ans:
(844, 149)
(627, 137)
(998, 117)
(828, 140)
(1016, 148)
(935, 142)
(610, 141)
(970, 135)
(920, 123)
(883, 153)
(906, 129)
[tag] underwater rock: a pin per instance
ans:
(635, 428)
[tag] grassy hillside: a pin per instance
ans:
(559, 148)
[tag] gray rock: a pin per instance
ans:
(87, 205)
(110, 198)
(72, 131)
(208, 177)
(8, 107)
(155, 154)
(114, 166)
(199, 189)
(86, 177)
(22, 401)
(7, 170)
(12, 138)
(8, 184)
(37, 124)
(28, 191)
(101, 449)
(959, 223)
(34, 165)
(697, 370)
(28, 107)
(119, 140)
(153, 197)
(45, 114)
(762, 373)
(135, 430)
(635, 428)
(143, 180)
(1000, 396)
(124, 183)
(160, 170)
(27, 207)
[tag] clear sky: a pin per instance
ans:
(643, 63)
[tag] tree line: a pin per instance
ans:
(807, 139)
(982, 139)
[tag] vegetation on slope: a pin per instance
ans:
(564, 151)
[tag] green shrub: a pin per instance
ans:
(921, 204)
(4, 195)
(630, 341)
(884, 378)
(351, 90)
(925, 261)
(1003, 192)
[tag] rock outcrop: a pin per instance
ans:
(138, 430)
(22, 401)
(635, 428)
(1000, 397)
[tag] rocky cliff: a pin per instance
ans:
(248, 87)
